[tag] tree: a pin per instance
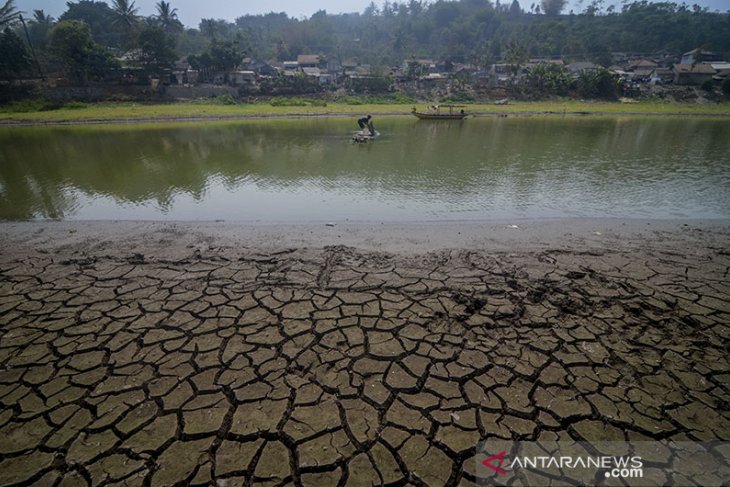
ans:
(81, 57)
(415, 7)
(548, 79)
(156, 49)
(515, 56)
(9, 15)
(98, 16)
(726, 87)
(371, 10)
(167, 17)
(14, 57)
(220, 56)
(125, 19)
(597, 84)
(225, 55)
(213, 28)
(414, 70)
(553, 7)
(40, 24)
(40, 17)
(593, 8)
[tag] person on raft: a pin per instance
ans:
(366, 122)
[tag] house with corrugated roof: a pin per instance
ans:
(309, 61)
(692, 74)
(581, 66)
(699, 56)
(641, 68)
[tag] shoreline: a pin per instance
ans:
(380, 111)
(503, 235)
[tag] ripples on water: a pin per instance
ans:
(308, 170)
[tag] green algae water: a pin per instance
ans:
(308, 170)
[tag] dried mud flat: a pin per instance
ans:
(166, 356)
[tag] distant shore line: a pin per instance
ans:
(173, 113)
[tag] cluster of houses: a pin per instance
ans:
(252, 72)
(694, 68)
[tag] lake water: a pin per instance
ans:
(308, 170)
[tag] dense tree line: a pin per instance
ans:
(479, 31)
(92, 37)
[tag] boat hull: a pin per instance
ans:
(437, 116)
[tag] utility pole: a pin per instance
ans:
(35, 58)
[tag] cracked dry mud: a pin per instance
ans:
(345, 367)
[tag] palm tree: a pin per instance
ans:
(9, 15)
(553, 7)
(40, 18)
(125, 12)
(209, 28)
(125, 17)
(166, 15)
(38, 28)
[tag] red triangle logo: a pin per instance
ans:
(499, 456)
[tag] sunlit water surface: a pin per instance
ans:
(309, 170)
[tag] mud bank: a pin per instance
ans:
(164, 353)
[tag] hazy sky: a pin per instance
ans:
(191, 11)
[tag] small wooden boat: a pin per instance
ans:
(438, 112)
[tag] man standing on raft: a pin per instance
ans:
(366, 122)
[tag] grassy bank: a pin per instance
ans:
(77, 112)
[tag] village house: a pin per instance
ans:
(699, 56)
(619, 71)
(349, 64)
(433, 80)
(309, 61)
(261, 68)
(313, 66)
(243, 78)
(311, 72)
(720, 66)
(641, 68)
(722, 75)
(536, 61)
(661, 76)
(425, 66)
(579, 67)
(323, 77)
(361, 70)
(692, 74)
(500, 74)
(183, 73)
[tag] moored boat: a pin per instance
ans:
(435, 112)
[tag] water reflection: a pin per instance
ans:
(308, 170)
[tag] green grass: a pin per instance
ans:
(40, 105)
(41, 111)
(297, 102)
(646, 107)
(393, 99)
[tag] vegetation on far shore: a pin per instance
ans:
(88, 39)
(43, 111)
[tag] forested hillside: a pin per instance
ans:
(479, 31)
(93, 39)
